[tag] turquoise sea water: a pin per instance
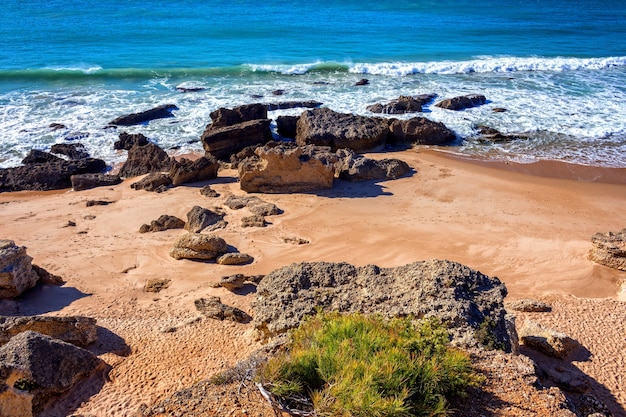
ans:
(559, 68)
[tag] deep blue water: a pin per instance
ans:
(558, 66)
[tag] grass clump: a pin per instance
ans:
(357, 365)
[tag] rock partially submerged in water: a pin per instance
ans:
(159, 112)
(469, 302)
(462, 102)
(609, 249)
(403, 104)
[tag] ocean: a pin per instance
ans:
(558, 68)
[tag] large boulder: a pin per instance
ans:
(145, 160)
(609, 249)
(404, 104)
(223, 141)
(35, 156)
(285, 170)
(186, 171)
(223, 117)
(16, 270)
(470, 303)
(325, 127)
(52, 175)
(82, 182)
(419, 131)
(77, 330)
(199, 218)
(157, 182)
(159, 112)
(71, 150)
(286, 126)
(128, 140)
(35, 369)
(360, 168)
(462, 102)
(198, 246)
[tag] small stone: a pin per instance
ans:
(235, 259)
(156, 284)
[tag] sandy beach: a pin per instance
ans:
(528, 225)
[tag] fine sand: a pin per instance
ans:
(531, 229)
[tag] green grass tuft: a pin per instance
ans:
(357, 365)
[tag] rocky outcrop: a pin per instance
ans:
(609, 249)
(164, 222)
(359, 168)
(286, 126)
(35, 369)
(528, 306)
(77, 330)
(292, 105)
(82, 182)
(470, 303)
(404, 104)
(145, 160)
(199, 218)
(213, 307)
(256, 220)
(325, 127)
(235, 258)
(546, 340)
(128, 140)
(16, 270)
(419, 131)
(285, 170)
(35, 156)
(186, 171)
(462, 102)
(71, 150)
(52, 175)
(198, 246)
(223, 117)
(224, 141)
(156, 181)
(159, 112)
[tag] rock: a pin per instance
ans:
(278, 92)
(198, 246)
(282, 170)
(404, 104)
(159, 112)
(212, 307)
(462, 102)
(233, 282)
(156, 285)
(35, 156)
(286, 126)
(360, 168)
(207, 191)
(46, 277)
(35, 369)
(71, 150)
(469, 302)
(145, 160)
(199, 218)
(53, 175)
(235, 258)
(128, 140)
(57, 126)
(250, 152)
(546, 340)
(490, 135)
(362, 81)
(609, 249)
(77, 330)
(292, 105)
(498, 110)
(325, 127)
(156, 181)
(76, 136)
(91, 203)
(255, 204)
(16, 271)
(164, 222)
(223, 117)
(222, 142)
(419, 131)
(529, 306)
(186, 171)
(257, 220)
(82, 182)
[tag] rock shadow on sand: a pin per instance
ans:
(41, 299)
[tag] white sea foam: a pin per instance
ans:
(85, 69)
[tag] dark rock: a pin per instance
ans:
(207, 191)
(278, 92)
(190, 89)
(164, 222)
(46, 277)
(491, 135)
(128, 140)
(233, 282)
(325, 127)
(235, 258)
(35, 369)
(609, 249)
(362, 81)
(292, 105)
(546, 340)
(212, 307)
(419, 131)
(286, 126)
(76, 136)
(199, 218)
(198, 246)
(462, 102)
(71, 150)
(159, 112)
(16, 270)
(57, 126)
(144, 160)
(222, 142)
(77, 330)
(36, 156)
(157, 182)
(470, 303)
(404, 104)
(186, 171)
(257, 220)
(88, 181)
(223, 117)
(91, 203)
(359, 168)
(52, 175)
(498, 110)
